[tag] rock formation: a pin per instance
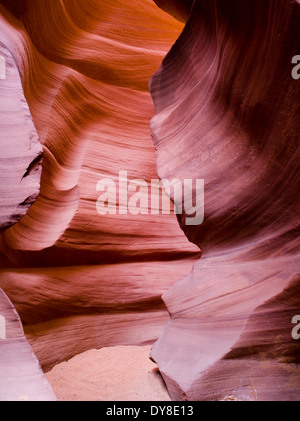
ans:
(21, 376)
(227, 105)
(21, 151)
(80, 280)
(226, 112)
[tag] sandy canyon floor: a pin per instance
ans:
(123, 373)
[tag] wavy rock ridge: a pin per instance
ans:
(226, 111)
(227, 105)
(21, 376)
(21, 151)
(80, 280)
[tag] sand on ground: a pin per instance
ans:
(123, 373)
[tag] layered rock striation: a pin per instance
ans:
(21, 376)
(227, 111)
(21, 151)
(78, 279)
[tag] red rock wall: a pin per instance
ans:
(226, 111)
(80, 280)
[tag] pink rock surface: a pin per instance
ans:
(21, 376)
(227, 105)
(226, 111)
(80, 280)
(20, 149)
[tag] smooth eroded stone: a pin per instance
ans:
(21, 376)
(20, 149)
(227, 112)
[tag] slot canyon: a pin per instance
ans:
(127, 295)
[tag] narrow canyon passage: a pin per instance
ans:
(97, 96)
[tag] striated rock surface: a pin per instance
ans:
(227, 111)
(21, 376)
(80, 280)
(20, 149)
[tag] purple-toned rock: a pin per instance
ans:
(227, 112)
(20, 149)
(21, 376)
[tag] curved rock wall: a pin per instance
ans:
(226, 111)
(227, 105)
(21, 151)
(80, 280)
(21, 376)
